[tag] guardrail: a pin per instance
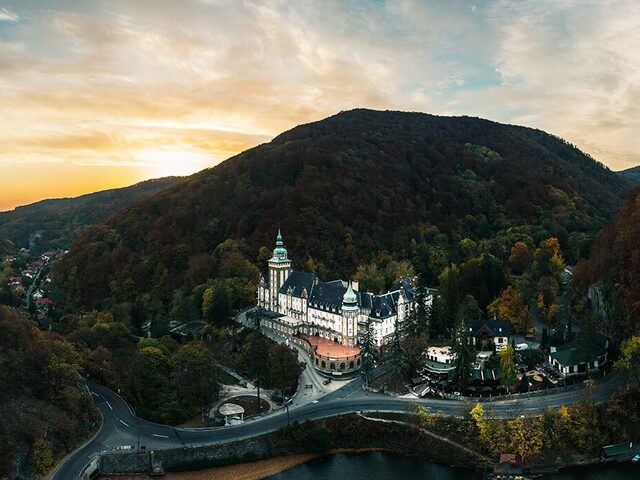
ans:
(517, 395)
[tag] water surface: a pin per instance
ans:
(384, 465)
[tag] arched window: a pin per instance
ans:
(350, 364)
(342, 366)
(358, 363)
(316, 361)
(332, 366)
(324, 365)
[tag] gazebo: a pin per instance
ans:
(232, 413)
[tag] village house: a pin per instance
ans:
(569, 359)
(489, 334)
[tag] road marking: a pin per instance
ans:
(160, 436)
(124, 423)
(109, 405)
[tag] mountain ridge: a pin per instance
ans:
(348, 187)
(632, 173)
(59, 219)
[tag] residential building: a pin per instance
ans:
(490, 334)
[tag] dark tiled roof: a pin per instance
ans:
(493, 328)
(327, 296)
(570, 354)
(298, 282)
(384, 306)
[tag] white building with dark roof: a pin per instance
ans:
(335, 310)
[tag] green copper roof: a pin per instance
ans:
(279, 253)
(349, 300)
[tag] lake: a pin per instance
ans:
(383, 465)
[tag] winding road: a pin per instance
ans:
(121, 427)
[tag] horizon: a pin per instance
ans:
(107, 94)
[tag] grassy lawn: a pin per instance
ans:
(225, 378)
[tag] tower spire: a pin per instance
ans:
(280, 253)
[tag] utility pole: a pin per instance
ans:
(287, 407)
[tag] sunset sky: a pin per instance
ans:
(96, 94)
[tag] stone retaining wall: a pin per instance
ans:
(191, 458)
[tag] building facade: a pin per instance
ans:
(334, 310)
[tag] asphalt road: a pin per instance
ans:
(122, 428)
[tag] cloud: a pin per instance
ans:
(7, 15)
(103, 81)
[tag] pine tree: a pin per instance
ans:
(368, 353)
(544, 342)
(417, 322)
(397, 354)
(465, 356)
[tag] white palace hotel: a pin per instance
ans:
(301, 303)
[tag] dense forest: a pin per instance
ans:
(357, 190)
(44, 410)
(632, 173)
(611, 274)
(56, 222)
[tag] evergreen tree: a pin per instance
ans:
(465, 355)
(437, 319)
(544, 342)
(397, 354)
(368, 353)
(417, 322)
(254, 359)
(216, 304)
(160, 325)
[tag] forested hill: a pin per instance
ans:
(614, 266)
(55, 221)
(345, 188)
(632, 173)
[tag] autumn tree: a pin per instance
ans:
(548, 303)
(148, 380)
(629, 359)
(511, 306)
(509, 369)
(216, 304)
(520, 257)
(43, 458)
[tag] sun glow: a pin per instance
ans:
(174, 161)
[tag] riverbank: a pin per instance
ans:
(242, 471)
(250, 470)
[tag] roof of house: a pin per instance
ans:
(484, 374)
(617, 449)
(570, 354)
(491, 328)
(298, 282)
(327, 296)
